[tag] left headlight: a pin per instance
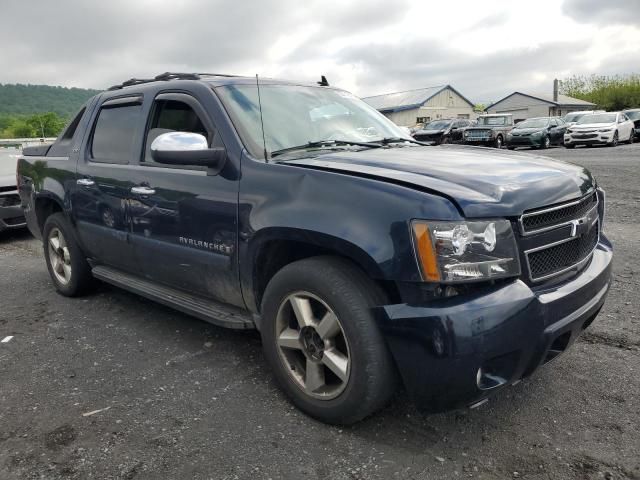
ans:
(452, 252)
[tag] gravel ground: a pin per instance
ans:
(114, 386)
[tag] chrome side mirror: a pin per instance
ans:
(187, 149)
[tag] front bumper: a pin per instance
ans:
(457, 351)
(477, 141)
(12, 216)
(600, 138)
(521, 141)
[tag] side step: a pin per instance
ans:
(210, 311)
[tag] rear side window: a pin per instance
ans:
(115, 132)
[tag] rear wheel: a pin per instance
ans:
(66, 263)
(322, 342)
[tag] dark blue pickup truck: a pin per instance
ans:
(365, 259)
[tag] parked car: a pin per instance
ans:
(364, 258)
(539, 132)
(11, 215)
(634, 115)
(599, 129)
(448, 130)
(572, 118)
(490, 130)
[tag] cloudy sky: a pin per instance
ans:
(484, 48)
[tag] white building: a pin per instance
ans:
(422, 105)
(524, 105)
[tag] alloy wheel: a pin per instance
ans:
(59, 256)
(313, 346)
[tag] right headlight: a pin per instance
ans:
(452, 252)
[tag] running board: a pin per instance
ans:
(210, 311)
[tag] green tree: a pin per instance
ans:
(609, 93)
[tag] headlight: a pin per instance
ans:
(537, 134)
(450, 252)
(606, 129)
(569, 130)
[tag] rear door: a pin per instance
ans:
(184, 220)
(102, 189)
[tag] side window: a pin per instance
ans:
(174, 116)
(114, 133)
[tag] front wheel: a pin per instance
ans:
(614, 141)
(498, 142)
(631, 137)
(546, 143)
(321, 340)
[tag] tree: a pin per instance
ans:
(609, 93)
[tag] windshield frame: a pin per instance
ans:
(253, 143)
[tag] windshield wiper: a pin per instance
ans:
(390, 140)
(324, 143)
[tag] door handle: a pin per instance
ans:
(85, 182)
(143, 190)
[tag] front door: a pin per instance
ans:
(183, 219)
(100, 195)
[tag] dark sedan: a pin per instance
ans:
(634, 116)
(539, 132)
(442, 131)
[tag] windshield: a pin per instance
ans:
(437, 125)
(534, 123)
(635, 115)
(598, 118)
(494, 121)
(573, 117)
(295, 115)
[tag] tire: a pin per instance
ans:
(67, 265)
(510, 147)
(569, 146)
(497, 143)
(631, 137)
(546, 143)
(327, 284)
(445, 139)
(614, 141)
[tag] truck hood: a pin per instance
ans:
(481, 182)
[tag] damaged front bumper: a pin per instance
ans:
(458, 351)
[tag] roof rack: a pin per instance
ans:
(166, 76)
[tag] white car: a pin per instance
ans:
(572, 118)
(600, 128)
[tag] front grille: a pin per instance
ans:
(558, 258)
(478, 133)
(427, 138)
(9, 200)
(585, 135)
(551, 217)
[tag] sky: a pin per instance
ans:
(486, 49)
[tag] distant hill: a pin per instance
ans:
(29, 99)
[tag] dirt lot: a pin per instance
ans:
(114, 386)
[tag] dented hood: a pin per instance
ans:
(482, 182)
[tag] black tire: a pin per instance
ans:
(631, 137)
(614, 141)
(351, 295)
(497, 143)
(80, 278)
(569, 146)
(510, 147)
(445, 139)
(546, 143)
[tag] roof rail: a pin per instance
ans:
(166, 76)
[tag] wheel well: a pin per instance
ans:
(44, 208)
(276, 254)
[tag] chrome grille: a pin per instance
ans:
(563, 256)
(9, 200)
(540, 220)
